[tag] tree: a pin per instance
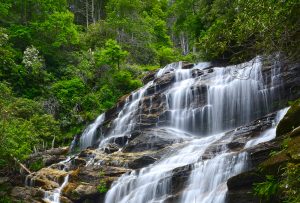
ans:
(112, 54)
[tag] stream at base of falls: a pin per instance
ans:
(203, 105)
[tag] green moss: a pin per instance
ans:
(282, 169)
(294, 148)
(291, 120)
(272, 164)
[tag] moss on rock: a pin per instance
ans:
(290, 121)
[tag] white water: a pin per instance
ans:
(207, 182)
(54, 196)
(235, 95)
(268, 134)
(88, 137)
(153, 182)
(126, 120)
(232, 100)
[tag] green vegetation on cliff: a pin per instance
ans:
(282, 168)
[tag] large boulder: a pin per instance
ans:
(27, 194)
(154, 139)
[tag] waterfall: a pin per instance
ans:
(55, 195)
(207, 182)
(235, 96)
(88, 137)
(201, 108)
(126, 120)
(206, 106)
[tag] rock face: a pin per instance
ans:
(241, 186)
(146, 137)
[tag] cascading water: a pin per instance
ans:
(231, 100)
(235, 95)
(88, 137)
(125, 122)
(201, 105)
(208, 179)
(54, 196)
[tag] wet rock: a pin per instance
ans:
(244, 180)
(236, 145)
(80, 192)
(180, 177)
(141, 162)
(47, 178)
(54, 151)
(187, 65)
(197, 73)
(241, 196)
(290, 121)
(121, 141)
(240, 187)
(161, 83)
(210, 70)
(49, 160)
(27, 194)
(149, 77)
(48, 157)
(111, 148)
(79, 162)
(153, 140)
(261, 152)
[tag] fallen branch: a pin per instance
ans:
(22, 165)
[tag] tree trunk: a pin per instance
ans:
(87, 13)
(93, 11)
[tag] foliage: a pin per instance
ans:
(68, 92)
(238, 29)
(266, 189)
(283, 168)
(166, 55)
(102, 187)
(5, 199)
(36, 165)
(24, 125)
(290, 184)
(112, 54)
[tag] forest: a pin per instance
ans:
(64, 62)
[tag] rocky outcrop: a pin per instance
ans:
(290, 121)
(141, 162)
(27, 194)
(285, 149)
(149, 77)
(49, 157)
(153, 139)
